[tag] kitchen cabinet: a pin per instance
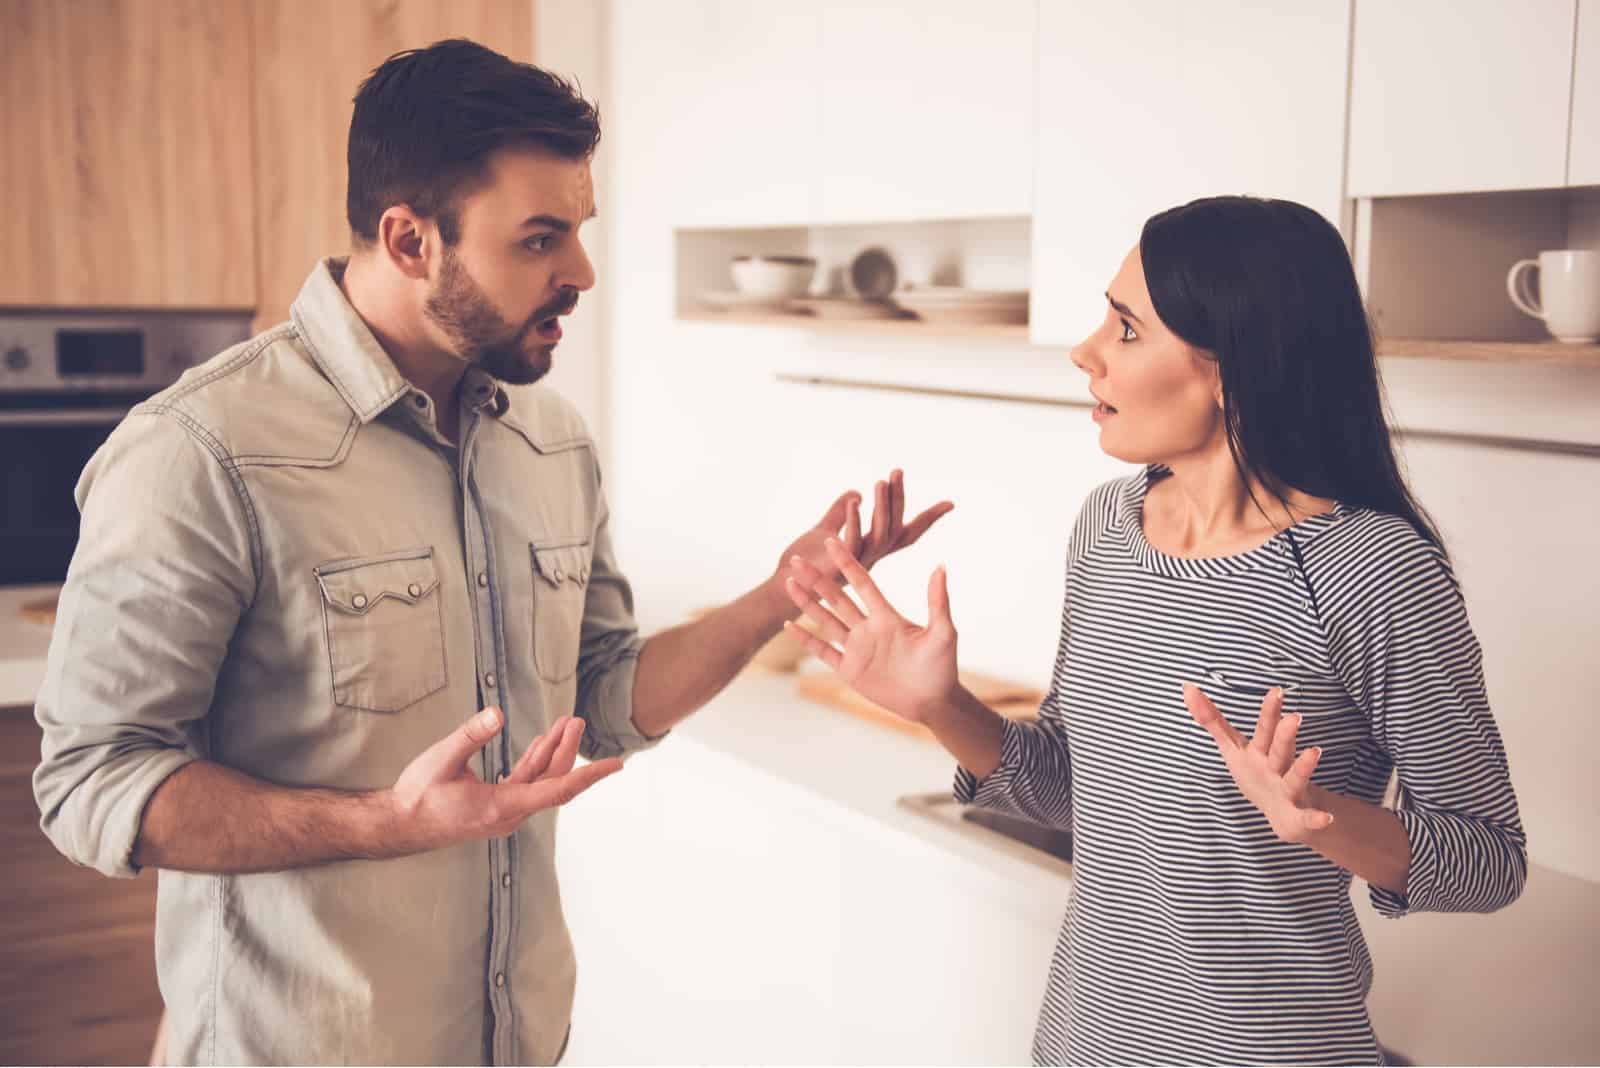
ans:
(126, 154)
(1458, 96)
(309, 57)
(740, 919)
(1149, 104)
(732, 105)
(1583, 163)
(79, 982)
(927, 116)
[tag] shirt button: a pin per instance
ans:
(500, 777)
(359, 600)
(1288, 571)
(583, 576)
(505, 880)
(483, 578)
(559, 575)
(499, 979)
(414, 590)
(420, 401)
(488, 680)
(1305, 606)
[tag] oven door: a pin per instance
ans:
(45, 441)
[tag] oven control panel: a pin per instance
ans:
(132, 352)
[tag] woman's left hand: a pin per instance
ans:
(1266, 769)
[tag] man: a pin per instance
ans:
(302, 566)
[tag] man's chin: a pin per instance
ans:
(521, 368)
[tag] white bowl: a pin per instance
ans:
(773, 276)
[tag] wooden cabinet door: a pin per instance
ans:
(1149, 104)
(1459, 96)
(310, 56)
(125, 156)
(1583, 160)
(927, 109)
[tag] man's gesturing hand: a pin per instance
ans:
(438, 800)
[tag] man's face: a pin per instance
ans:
(519, 264)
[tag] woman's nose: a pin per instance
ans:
(1085, 360)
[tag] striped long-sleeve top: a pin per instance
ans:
(1194, 935)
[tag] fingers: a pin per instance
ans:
(536, 758)
(834, 517)
(1205, 713)
(939, 601)
(828, 624)
(1281, 754)
(878, 539)
(522, 800)
(897, 508)
(450, 754)
(815, 645)
(927, 518)
(857, 577)
(1298, 776)
(1267, 721)
(852, 529)
(827, 590)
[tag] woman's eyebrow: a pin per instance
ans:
(1123, 309)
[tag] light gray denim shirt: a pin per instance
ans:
(283, 568)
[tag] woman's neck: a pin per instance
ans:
(1206, 509)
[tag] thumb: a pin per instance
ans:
(939, 601)
(450, 754)
(835, 516)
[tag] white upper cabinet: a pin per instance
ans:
(728, 89)
(1583, 165)
(1148, 104)
(1458, 96)
(926, 109)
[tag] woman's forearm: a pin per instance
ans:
(1365, 839)
(970, 730)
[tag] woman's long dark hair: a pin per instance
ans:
(1266, 287)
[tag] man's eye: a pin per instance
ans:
(539, 243)
(1127, 331)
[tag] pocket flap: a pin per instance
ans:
(355, 586)
(562, 562)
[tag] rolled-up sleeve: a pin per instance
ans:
(1410, 659)
(608, 655)
(165, 566)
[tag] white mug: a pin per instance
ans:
(1569, 292)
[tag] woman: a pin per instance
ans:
(1259, 627)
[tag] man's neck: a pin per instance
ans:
(399, 329)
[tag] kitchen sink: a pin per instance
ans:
(1050, 846)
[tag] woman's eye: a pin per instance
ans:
(1127, 331)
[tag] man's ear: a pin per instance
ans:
(404, 240)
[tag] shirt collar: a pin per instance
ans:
(352, 358)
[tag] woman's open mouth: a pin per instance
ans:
(1103, 411)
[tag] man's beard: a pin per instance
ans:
(481, 337)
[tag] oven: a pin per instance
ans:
(66, 380)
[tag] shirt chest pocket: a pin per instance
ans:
(560, 584)
(385, 629)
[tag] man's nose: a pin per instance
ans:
(578, 272)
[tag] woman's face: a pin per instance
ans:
(1160, 397)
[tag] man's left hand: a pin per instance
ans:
(889, 531)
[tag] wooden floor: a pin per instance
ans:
(77, 958)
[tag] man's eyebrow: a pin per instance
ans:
(553, 222)
(1123, 309)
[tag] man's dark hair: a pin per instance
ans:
(427, 120)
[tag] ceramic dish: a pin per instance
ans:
(846, 308)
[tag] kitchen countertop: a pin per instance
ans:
(23, 645)
(861, 767)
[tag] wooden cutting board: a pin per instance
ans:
(1012, 700)
(40, 611)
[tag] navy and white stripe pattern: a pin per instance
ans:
(1194, 935)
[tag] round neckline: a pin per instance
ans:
(1274, 552)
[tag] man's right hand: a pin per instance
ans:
(438, 799)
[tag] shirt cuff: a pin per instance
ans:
(607, 713)
(1421, 879)
(996, 787)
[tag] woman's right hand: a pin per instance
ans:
(907, 669)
